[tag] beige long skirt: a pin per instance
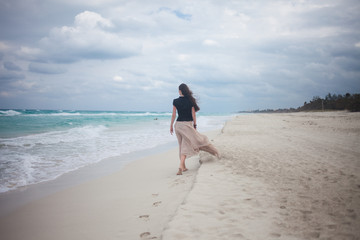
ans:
(191, 141)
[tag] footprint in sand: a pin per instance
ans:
(156, 204)
(146, 235)
(275, 235)
(313, 235)
(145, 217)
(177, 182)
(332, 226)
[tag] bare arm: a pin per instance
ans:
(172, 120)
(193, 116)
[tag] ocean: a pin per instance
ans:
(41, 145)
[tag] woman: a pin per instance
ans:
(190, 141)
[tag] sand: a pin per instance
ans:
(280, 176)
(134, 203)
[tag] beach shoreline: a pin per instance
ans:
(40, 146)
(13, 199)
(147, 187)
(281, 176)
(136, 200)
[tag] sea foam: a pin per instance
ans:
(44, 145)
(9, 113)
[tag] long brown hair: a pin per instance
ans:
(185, 90)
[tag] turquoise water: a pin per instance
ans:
(41, 145)
(14, 123)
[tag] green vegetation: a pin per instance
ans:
(334, 102)
(331, 102)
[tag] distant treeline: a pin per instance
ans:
(350, 102)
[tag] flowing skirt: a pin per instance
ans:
(191, 141)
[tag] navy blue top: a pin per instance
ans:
(183, 106)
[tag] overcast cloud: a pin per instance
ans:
(132, 55)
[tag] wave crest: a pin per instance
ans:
(9, 113)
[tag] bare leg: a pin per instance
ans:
(182, 162)
(182, 167)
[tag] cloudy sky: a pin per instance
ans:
(132, 55)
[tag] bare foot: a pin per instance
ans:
(179, 172)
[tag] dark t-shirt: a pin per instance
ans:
(183, 106)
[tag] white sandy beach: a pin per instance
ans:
(281, 176)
